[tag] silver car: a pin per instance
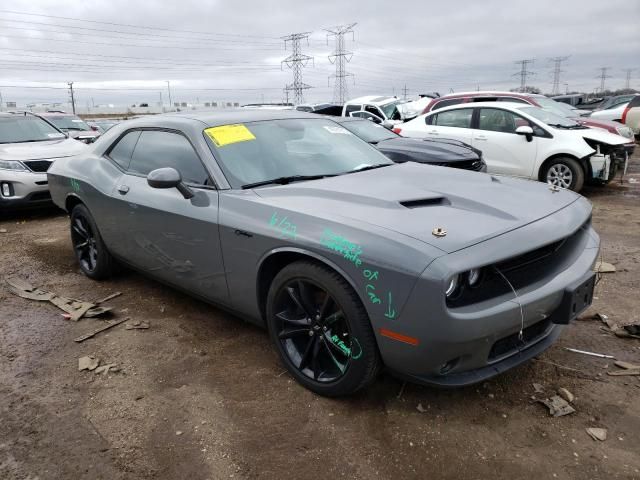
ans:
(28, 146)
(351, 262)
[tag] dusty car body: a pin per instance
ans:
(441, 275)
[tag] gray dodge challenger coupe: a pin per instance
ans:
(443, 276)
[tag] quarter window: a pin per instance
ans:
(121, 152)
(158, 149)
(460, 118)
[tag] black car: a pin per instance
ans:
(443, 152)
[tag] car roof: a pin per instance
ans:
(502, 105)
(497, 93)
(217, 118)
(375, 99)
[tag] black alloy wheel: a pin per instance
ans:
(321, 330)
(92, 255)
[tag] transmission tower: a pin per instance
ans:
(603, 77)
(340, 57)
(557, 70)
(524, 73)
(296, 62)
(627, 83)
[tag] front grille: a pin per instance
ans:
(510, 344)
(39, 166)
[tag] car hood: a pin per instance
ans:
(414, 199)
(435, 151)
(58, 148)
(603, 136)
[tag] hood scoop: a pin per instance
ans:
(425, 202)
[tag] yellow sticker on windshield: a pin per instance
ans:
(227, 134)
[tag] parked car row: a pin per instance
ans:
(351, 262)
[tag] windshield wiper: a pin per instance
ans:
(285, 180)
(368, 167)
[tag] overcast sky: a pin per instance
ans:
(123, 51)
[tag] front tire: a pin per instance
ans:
(321, 330)
(92, 255)
(564, 172)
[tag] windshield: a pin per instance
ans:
(259, 151)
(550, 118)
(390, 110)
(558, 108)
(26, 128)
(369, 131)
(67, 122)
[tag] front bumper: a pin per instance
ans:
(469, 344)
(23, 188)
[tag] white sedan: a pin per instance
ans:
(525, 141)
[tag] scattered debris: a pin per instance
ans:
(557, 406)
(107, 298)
(76, 309)
(597, 433)
(566, 394)
(88, 363)
(137, 325)
(600, 355)
(3, 230)
(633, 330)
(178, 433)
(538, 388)
(106, 326)
(626, 365)
(420, 408)
(625, 331)
(627, 369)
(105, 369)
(604, 267)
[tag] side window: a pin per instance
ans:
(447, 103)
(121, 152)
(373, 110)
(460, 118)
(158, 149)
(352, 108)
(496, 120)
(368, 116)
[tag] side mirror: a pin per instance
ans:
(168, 178)
(526, 131)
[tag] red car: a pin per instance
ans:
(540, 101)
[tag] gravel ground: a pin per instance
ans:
(201, 394)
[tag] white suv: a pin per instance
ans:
(525, 141)
(28, 145)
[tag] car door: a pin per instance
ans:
(504, 151)
(166, 235)
(454, 124)
(366, 115)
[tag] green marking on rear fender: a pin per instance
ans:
(75, 185)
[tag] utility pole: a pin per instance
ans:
(603, 77)
(404, 91)
(1, 106)
(557, 64)
(566, 89)
(340, 57)
(296, 62)
(524, 73)
(169, 89)
(73, 100)
(627, 83)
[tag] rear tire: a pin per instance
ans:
(92, 255)
(564, 172)
(321, 331)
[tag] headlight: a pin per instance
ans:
(474, 276)
(625, 131)
(12, 165)
(452, 285)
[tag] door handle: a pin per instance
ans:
(123, 189)
(433, 132)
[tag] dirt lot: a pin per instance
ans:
(201, 394)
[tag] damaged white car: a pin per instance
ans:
(525, 141)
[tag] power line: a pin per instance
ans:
(340, 57)
(603, 77)
(557, 69)
(524, 72)
(296, 62)
(145, 27)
